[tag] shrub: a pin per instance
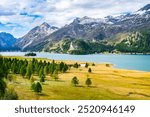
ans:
(3, 87)
(11, 78)
(36, 87)
(89, 70)
(88, 82)
(76, 65)
(93, 64)
(107, 65)
(86, 65)
(42, 79)
(75, 81)
(10, 95)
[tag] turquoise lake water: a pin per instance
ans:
(133, 62)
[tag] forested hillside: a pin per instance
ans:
(137, 42)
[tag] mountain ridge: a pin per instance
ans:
(35, 36)
(82, 32)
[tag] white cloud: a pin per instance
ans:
(62, 5)
(59, 12)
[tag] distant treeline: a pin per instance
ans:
(9, 49)
(30, 54)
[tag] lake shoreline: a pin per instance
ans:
(122, 61)
(108, 83)
(104, 53)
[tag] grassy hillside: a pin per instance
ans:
(131, 42)
(117, 38)
(107, 83)
(137, 42)
(79, 46)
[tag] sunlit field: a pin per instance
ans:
(108, 83)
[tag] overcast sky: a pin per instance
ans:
(19, 16)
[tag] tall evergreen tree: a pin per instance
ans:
(32, 79)
(42, 78)
(45, 69)
(65, 68)
(41, 72)
(55, 75)
(23, 71)
(29, 71)
(42, 75)
(61, 66)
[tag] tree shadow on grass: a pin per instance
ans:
(79, 86)
(85, 86)
(92, 86)
(136, 93)
(141, 84)
(56, 80)
(45, 83)
(38, 95)
(42, 94)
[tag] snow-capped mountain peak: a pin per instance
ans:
(88, 20)
(87, 28)
(46, 28)
(144, 10)
(44, 25)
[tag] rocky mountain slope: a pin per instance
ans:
(99, 29)
(33, 40)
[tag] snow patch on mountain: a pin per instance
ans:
(71, 47)
(30, 42)
(87, 20)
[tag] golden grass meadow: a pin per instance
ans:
(108, 83)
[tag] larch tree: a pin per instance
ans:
(29, 71)
(55, 75)
(23, 71)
